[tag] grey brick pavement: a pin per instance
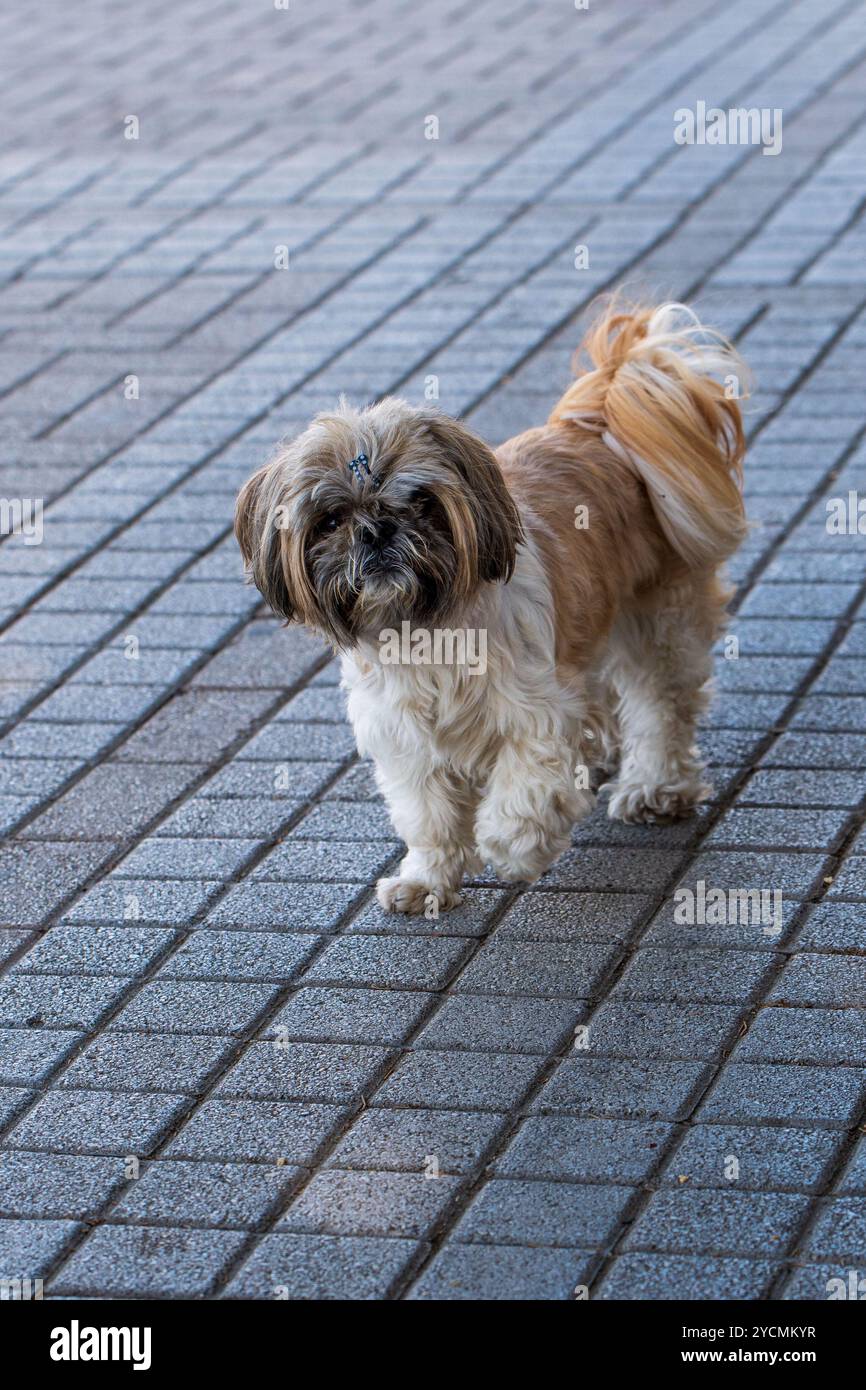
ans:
(223, 1072)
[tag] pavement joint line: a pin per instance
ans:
(47, 690)
(697, 286)
(341, 220)
(806, 328)
(251, 1034)
(819, 891)
(499, 1141)
(520, 148)
(126, 848)
(605, 986)
(218, 449)
(779, 61)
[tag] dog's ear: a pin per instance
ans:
(494, 514)
(263, 542)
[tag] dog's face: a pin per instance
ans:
(373, 517)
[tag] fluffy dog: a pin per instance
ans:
(585, 552)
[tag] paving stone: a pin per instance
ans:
(477, 1080)
(57, 1001)
(511, 1212)
(571, 969)
(238, 955)
(850, 882)
(804, 751)
(38, 877)
(811, 1282)
(255, 1130)
(689, 1277)
(758, 921)
(190, 1006)
(500, 1023)
(152, 902)
(43, 1185)
(472, 918)
(583, 1085)
(705, 976)
(574, 917)
(839, 1232)
(13, 1101)
(282, 1070)
(350, 1014)
(603, 870)
(766, 828)
(781, 787)
(118, 1261)
(496, 1272)
(407, 1140)
(97, 950)
(829, 980)
(298, 860)
(113, 799)
(853, 1178)
(794, 874)
(180, 859)
(228, 818)
(284, 742)
(832, 926)
(829, 1096)
(686, 1220)
(588, 1150)
(285, 906)
(752, 1157)
(27, 1248)
(389, 962)
(321, 1267)
(208, 1194)
(285, 783)
(370, 1204)
(28, 1055)
(784, 1034)
(145, 1062)
(346, 820)
(96, 1122)
(638, 1028)
(11, 942)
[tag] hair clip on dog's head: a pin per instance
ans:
(358, 463)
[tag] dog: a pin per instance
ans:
(586, 551)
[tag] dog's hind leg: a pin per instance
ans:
(660, 664)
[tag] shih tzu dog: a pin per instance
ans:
(584, 553)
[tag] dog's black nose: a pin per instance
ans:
(375, 534)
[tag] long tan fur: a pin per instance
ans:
(654, 395)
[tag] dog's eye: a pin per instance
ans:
(327, 523)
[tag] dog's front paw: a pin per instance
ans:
(405, 895)
(639, 803)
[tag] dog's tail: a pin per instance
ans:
(654, 396)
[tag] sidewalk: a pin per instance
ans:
(224, 1072)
